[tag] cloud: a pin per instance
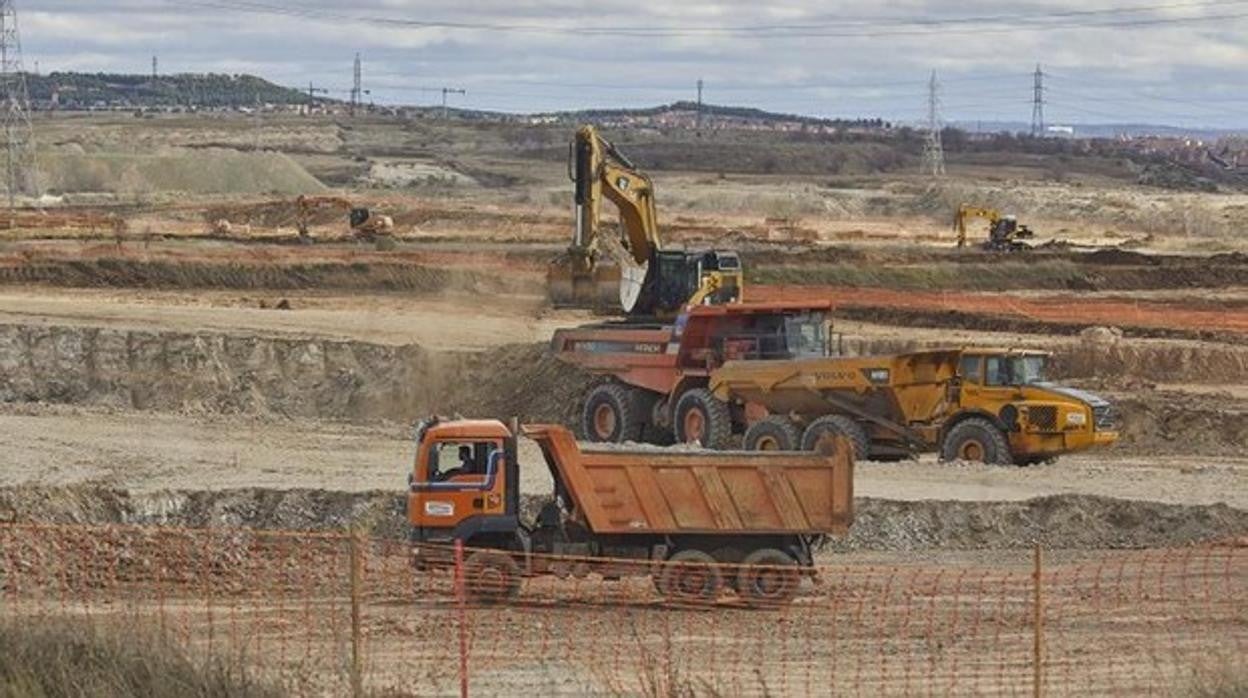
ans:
(845, 57)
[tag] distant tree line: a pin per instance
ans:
(210, 90)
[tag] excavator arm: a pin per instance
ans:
(599, 170)
(967, 212)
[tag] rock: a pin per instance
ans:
(1101, 335)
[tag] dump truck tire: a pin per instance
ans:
(838, 425)
(977, 440)
(701, 418)
(613, 414)
(772, 433)
(768, 578)
(491, 576)
(691, 576)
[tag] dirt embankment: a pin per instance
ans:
(1065, 521)
(1050, 314)
(358, 381)
(1092, 272)
(991, 321)
(1167, 423)
(219, 373)
(108, 272)
(1105, 357)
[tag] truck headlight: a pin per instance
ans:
(1076, 419)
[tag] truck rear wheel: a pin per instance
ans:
(702, 419)
(691, 576)
(838, 425)
(768, 578)
(491, 576)
(977, 440)
(774, 433)
(613, 414)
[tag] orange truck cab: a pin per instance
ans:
(465, 482)
(678, 515)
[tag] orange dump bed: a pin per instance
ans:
(657, 491)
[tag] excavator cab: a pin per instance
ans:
(628, 269)
(678, 278)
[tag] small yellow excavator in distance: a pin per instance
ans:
(630, 271)
(1004, 232)
(363, 223)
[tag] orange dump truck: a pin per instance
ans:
(676, 515)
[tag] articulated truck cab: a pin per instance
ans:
(675, 515)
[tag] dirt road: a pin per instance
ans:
(451, 321)
(1208, 316)
(147, 451)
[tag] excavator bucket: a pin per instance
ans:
(570, 283)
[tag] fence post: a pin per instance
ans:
(461, 606)
(357, 583)
(1037, 660)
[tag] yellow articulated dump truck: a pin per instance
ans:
(988, 405)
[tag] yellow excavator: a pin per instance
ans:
(364, 224)
(1004, 232)
(628, 269)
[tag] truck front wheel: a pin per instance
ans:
(613, 414)
(977, 440)
(491, 576)
(772, 433)
(702, 419)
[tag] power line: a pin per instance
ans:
(1138, 92)
(844, 28)
(1135, 100)
(903, 85)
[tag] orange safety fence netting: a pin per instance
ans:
(1113, 622)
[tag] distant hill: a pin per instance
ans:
(96, 90)
(684, 113)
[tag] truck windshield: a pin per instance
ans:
(806, 335)
(1015, 370)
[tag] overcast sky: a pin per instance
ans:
(1181, 62)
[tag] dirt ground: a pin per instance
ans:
(177, 371)
(448, 322)
(146, 452)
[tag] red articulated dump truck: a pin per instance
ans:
(676, 515)
(660, 373)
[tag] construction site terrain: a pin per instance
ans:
(172, 352)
